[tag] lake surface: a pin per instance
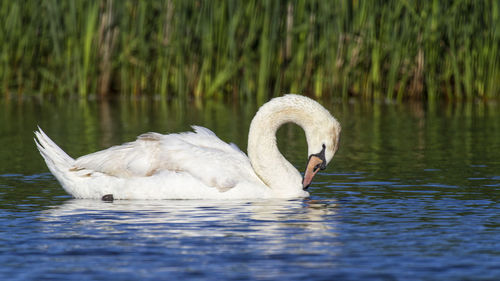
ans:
(413, 193)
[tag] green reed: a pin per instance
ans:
(252, 49)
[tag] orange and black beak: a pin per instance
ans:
(314, 164)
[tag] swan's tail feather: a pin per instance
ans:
(57, 160)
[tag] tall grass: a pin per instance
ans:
(251, 49)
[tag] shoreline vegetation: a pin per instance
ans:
(253, 50)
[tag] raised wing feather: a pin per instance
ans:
(200, 154)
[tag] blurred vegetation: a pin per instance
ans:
(405, 49)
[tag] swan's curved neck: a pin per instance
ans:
(267, 161)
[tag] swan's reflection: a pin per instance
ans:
(193, 218)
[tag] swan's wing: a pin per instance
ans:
(203, 155)
(200, 154)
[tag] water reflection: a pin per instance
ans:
(256, 239)
(207, 218)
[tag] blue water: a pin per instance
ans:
(411, 195)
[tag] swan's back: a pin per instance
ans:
(200, 154)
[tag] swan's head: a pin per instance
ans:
(323, 139)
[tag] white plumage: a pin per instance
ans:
(197, 165)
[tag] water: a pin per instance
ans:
(413, 193)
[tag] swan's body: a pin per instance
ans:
(198, 165)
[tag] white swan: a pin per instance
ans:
(198, 165)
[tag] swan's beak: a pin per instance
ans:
(314, 164)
